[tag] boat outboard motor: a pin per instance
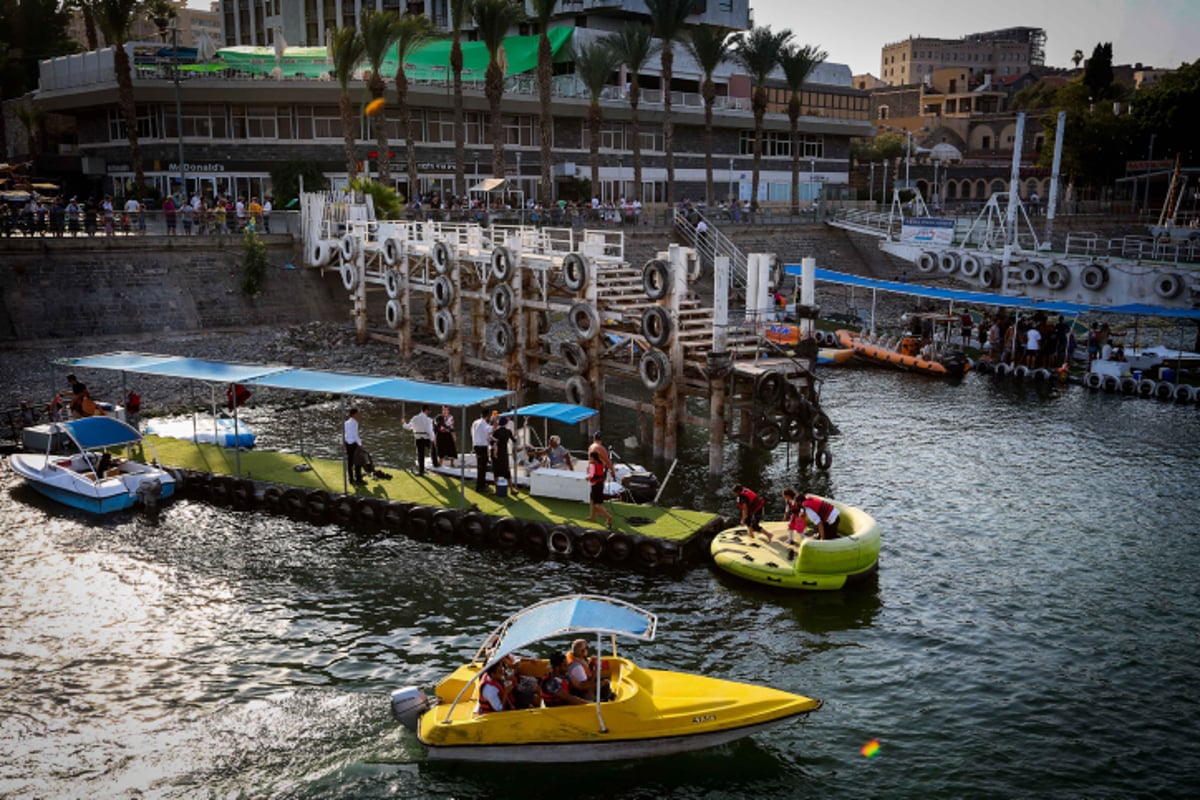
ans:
(148, 492)
(408, 704)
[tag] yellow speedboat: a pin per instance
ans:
(809, 563)
(651, 712)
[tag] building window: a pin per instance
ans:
(883, 112)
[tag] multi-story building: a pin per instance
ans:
(236, 126)
(1011, 51)
(194, 26)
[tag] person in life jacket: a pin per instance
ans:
(751, 506)
(581, 673)
(493, 694)
(793, 514)
(596, 473)
(823, 514)
(555, 689)
(236, 396)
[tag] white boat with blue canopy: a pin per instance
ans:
(93, 479)
(531, 468)
(630, 712)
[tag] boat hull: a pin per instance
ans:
(831, 356)
(77, 490)
(222, 434)
(887, 357)
(811, 564)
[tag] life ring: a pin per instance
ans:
(1168, 285)
(1093, 277)
(649, 553)
(767, 434)
(443, 524)
(443, 324)
(1146, 387)
(578, 391)
(393, 313)
(655, 369)
(575, 271)
(1185, 393)
(794, 428)
(656, 278)
(559, 541)
(441, 256)
(970, 265)
(1021, 372)
(575, 356)
(1056, 277)
(1164, 391)
(502, 263)
(927, 262)
(272, 499)
(506, 533)
(1040, 374)
(656, 325)
(618, 547)
(219, 488)
(948, 262)
(320, 253)
(822, 426)
(348, 247)
(769, 388)
(533, 537)
(391, 282)
(293, 504)
(501, 300)
(591, 545)
(344, 509)
(989, 276)
(395, 516)
(823, 459)
(418, 526)
(1128, 385)
(316, 503)
(1093, 380)
(390, 251)
(370, 514)
(241, 494)
(1110, 383)
(473, 526)
(584, 321)
(984, 366)
(500, 338)
(443, 291)
(1031, 273)
(349, 275)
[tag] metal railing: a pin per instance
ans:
(712, 243)
(52, 223)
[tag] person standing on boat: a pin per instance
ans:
(596, 473)
(481, 432)
(421, 426)
(598, 447)
(1033, 343)
(751, 506)
(444, 445)
(823, 514)
(353, 446)
(502, 437)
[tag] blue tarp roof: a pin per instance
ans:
(300, 380)
(992, 299)
(558, 412)
(92, 432)
(572, 615)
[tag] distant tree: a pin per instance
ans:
(1036, 97)
(161, 13)
(543, 10)
(287, 177)
(1098, 74)
(711, 46)
(759, 51)
(1170, 109)
(116, 18)
(493, 19)
(668, 19)
(412, 31)
(378, 32)
(346, 49)
(798, 63)
(1077, 58)
(460, 12)
(634, 44)
(1097, 142)
(595, 63)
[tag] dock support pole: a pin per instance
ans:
(716, 360)
(360, 293)
(458, 370)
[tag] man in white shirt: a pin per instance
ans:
(481, 431)
(354, 465)
(266, 214)
(422, 428)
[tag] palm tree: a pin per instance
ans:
(634, 44)
(378, 34)
(411, 32)
(759, 52)
(710, 45)
(798, 63)
(668, 19)
(346, 48)
(116, 18)
(161, 13)
(459, 12)
(1077, 58)
(87, 11)
(594, 64)
(542, 11)
(493, 18)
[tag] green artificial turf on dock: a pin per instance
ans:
(428, 490)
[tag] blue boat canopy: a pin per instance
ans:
(557, 412)
(282, 377)
(568, 616)
(94, 432)
(992, 299)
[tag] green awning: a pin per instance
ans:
(429, 62)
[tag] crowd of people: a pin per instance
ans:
(1034, 341)
(434, 206)
(199, 216)
(570, 678)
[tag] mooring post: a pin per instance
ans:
(677, 258)
(513, 359)
(717, 359)
(404, 331)
(594, 348)
(455, 344)
(360, 288)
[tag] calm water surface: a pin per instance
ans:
(1032, 632)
